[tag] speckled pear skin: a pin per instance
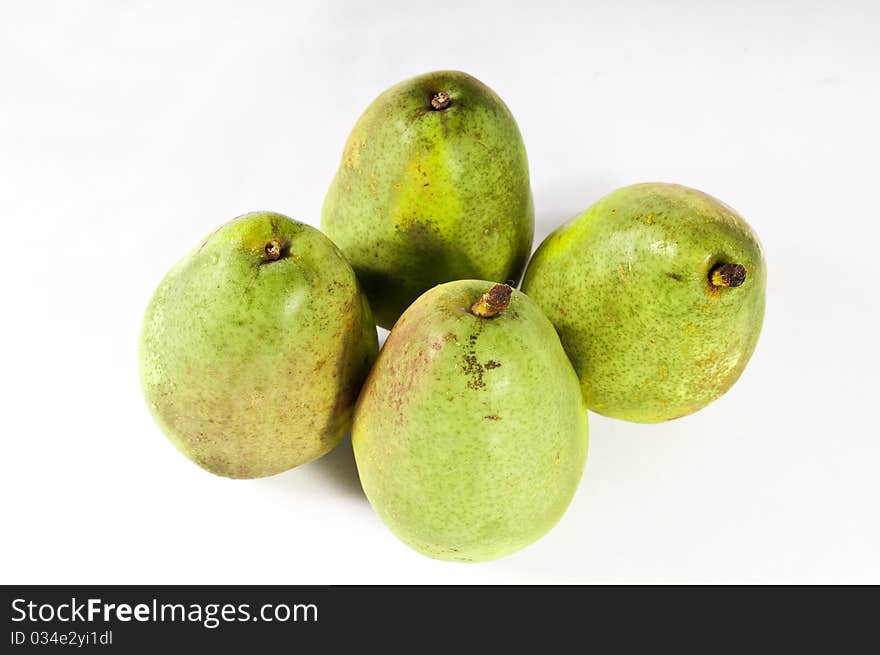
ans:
(627, 285)
(470, 433)
(252, 365)
(424, 196)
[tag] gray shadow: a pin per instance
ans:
(340, 469)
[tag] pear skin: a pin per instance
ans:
(658, 293)
(433, 186)
(254, 347)
(470, 433)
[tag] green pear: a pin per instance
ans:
(657, 292)
(470, 433)
(433, 186)
(254, 347)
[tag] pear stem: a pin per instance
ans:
(728, 275)
(493, 302)
(440, 100)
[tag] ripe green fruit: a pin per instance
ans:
(470, 433)
(433, 186)
(254, 348)
(657, 292)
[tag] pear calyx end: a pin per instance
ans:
(273, 250)
(440, 100)
(728, 275)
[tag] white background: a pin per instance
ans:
(130, 130)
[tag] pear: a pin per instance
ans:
(657, 292)
(433, 186)
(254, 347)
(470, 433)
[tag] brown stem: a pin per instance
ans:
(728, 275)
(493, 302)
(440, 100)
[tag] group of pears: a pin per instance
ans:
(259, 349)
